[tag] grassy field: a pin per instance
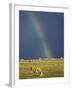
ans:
(41, 68)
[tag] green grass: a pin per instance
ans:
(52, 67)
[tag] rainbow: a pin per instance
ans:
(39, 31)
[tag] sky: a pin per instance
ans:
(41, 34)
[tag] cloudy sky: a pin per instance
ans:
(41, 34)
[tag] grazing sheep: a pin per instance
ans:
(37, 71)
(61, 58)
(22, 60)
(40, 58)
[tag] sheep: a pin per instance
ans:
(37, 71)
(40, 58)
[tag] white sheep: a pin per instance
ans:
(37, 70)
